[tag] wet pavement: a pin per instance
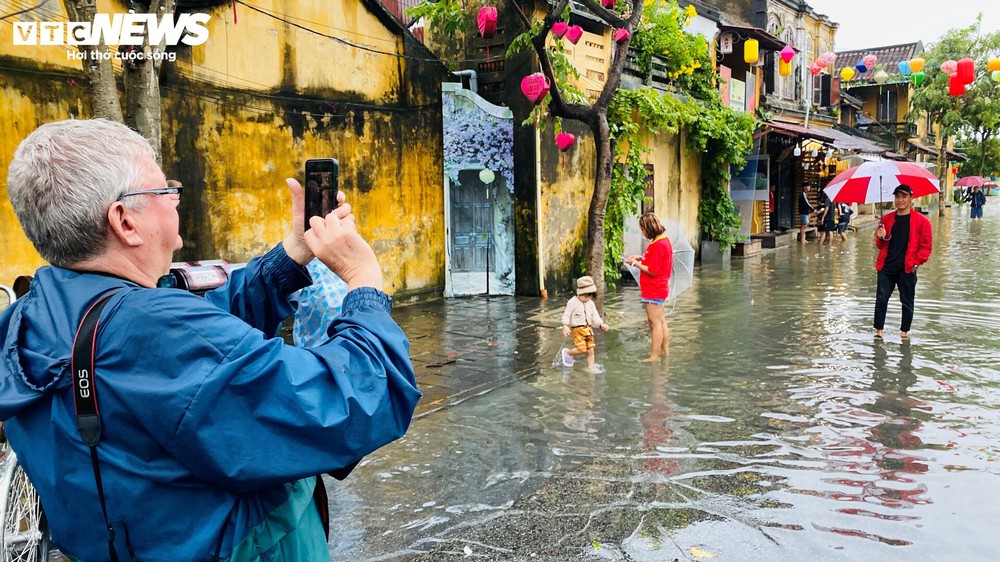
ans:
(778, 429)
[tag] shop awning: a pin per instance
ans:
(923, 147)
(956, 155)
(822, 135)
(767, 41)
(851, 143)
(952, 155)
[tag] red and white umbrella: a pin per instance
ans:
(874, 182)
(971, 181)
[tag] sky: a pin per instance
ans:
(876, 23)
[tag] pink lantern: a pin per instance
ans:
(559, 28)
(815, 68)
(788, 53)
(955, 86)
(966, 70)
(609, 4)
(564, 141)
(870, 61)
(621, 34)
(487, 21)
(574, 33)
(535, 87)
(949, 67)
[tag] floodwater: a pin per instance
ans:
(778, 429)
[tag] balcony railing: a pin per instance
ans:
(889, 134)
(655, 77)
(866, 134)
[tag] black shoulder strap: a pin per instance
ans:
(88, 417)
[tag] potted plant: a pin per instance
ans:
(720, 224)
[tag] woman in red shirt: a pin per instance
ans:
(654, 281)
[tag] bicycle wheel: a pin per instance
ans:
(23, 532)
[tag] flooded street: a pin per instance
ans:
(778, 429)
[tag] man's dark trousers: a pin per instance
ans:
(907, 283)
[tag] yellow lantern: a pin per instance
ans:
(994, 64)
(784, 68)
(751, 51)
(917, 64)
(846, 74)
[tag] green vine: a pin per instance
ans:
(451, 18)
(679, 59)
(721, 136)
(632, 115)
(724, 138)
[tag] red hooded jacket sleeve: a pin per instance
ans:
(918, 247)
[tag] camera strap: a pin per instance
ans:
(88, 423)
(88, 417)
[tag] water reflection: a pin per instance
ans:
(778, 430)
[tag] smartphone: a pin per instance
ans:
(322, 184)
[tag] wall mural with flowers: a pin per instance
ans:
(479, 188)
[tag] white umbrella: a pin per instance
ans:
(682, 274)
(682, 269)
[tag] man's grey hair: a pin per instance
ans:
(64, 178)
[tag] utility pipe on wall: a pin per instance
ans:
(472, 76)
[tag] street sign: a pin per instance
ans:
(726, 43)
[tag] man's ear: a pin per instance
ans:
(123, 225)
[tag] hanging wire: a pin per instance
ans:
(36, 7)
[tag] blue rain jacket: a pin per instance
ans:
(204, 411)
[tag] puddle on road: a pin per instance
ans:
(777, 430)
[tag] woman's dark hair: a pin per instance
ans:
(650, 225)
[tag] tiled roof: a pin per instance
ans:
(888, 57)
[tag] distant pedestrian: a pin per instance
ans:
(827, 223)
(655, 267)
(976, 201)
(579, 320)
(772, 209)
(806, 210)
(904, 243)
(844, 212)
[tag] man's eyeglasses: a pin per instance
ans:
(174, 188)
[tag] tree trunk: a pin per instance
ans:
(99, 70)
(141, 80)
(599, 203)
(142, 101)
(982, 153)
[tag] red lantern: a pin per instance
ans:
(955, 86)
(487, 21)
(954, 171)
(966, 71)
(535, 87)
(609, 4)
(565, 140)
(574, 33)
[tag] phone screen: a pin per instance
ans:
(322, 183)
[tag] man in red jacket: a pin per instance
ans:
(903, 239)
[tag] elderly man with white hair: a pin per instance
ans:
(170, 426)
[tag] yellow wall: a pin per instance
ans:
(592, 57)
(676, 182)
(246, 109)
(567, 184)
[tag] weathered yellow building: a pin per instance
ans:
(274, 85)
